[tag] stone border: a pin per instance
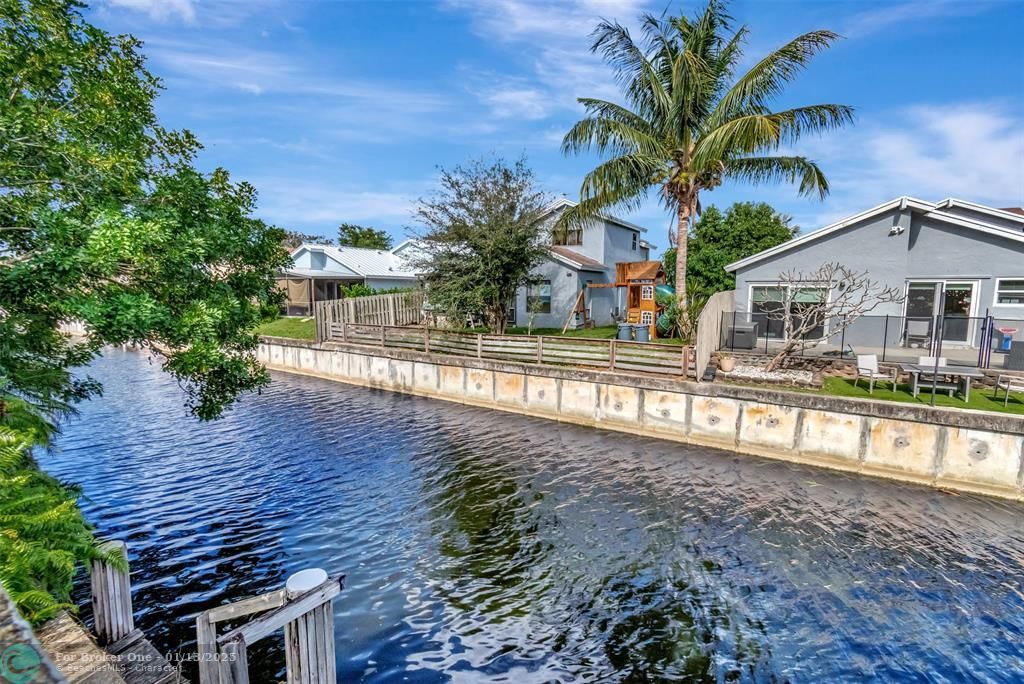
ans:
(950, 417)
(879, 440)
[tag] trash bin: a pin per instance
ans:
(1007, 338)
(643, 333)
(625, 332)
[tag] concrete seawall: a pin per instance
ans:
(960, 450)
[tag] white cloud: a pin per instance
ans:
(972, 151)
(264, 71)
(310, 205)
(901, 15)
(552, 41)
(160, 10)
(516, 100)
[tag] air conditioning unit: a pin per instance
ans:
(741, 336)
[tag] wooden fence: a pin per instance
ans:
(648, 357)
(400, 308)
(709, 327)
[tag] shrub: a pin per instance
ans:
(43, 535)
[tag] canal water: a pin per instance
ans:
(485, 546)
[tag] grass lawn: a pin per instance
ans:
(981, 397)
(298, 328)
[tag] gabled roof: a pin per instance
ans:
(928, 209)
(1009, 214)
(575, 260)
(565, 202)
(368, 263)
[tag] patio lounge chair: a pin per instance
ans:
(1008, 383)
(867, 367)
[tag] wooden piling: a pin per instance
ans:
(112, 597)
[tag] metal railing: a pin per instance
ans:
(975, 340)
(618, 355)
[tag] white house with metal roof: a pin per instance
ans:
(954, 259)
(318, 272)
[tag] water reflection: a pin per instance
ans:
(481, 545)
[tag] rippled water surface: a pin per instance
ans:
(483, 546)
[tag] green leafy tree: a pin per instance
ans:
(103, 219)
(690, 123)
(485, 233)
(718, 240)
(294, 239)
(351, 235)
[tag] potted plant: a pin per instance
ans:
(726, 363)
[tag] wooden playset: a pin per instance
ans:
(640, 278)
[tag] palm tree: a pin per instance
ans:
(689, 124)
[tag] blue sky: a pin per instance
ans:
(342, 111)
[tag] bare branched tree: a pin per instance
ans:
(818, 305)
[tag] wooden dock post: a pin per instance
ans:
(112, 597)
(303, 608)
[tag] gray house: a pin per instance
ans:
(582, 256)
(953, 259)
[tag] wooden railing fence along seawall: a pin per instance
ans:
(399, 308)
(649, 357)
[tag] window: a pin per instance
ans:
(767, 304)
(1010, 292)
(646, 317)
(569, 237)
(635, 238)
(538, 297)
(647, 292)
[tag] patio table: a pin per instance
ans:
(962, 374)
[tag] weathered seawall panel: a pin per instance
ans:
(962, 450)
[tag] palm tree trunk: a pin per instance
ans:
(682, 236)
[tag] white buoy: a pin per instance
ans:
(304, 580)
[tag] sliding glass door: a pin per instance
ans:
(953, 300)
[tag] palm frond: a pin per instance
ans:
(756, 132)
(621, 182)
(634, 72)
(611, 130)
(766, 79)
(758, 170)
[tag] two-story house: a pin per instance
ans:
(581, 256)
